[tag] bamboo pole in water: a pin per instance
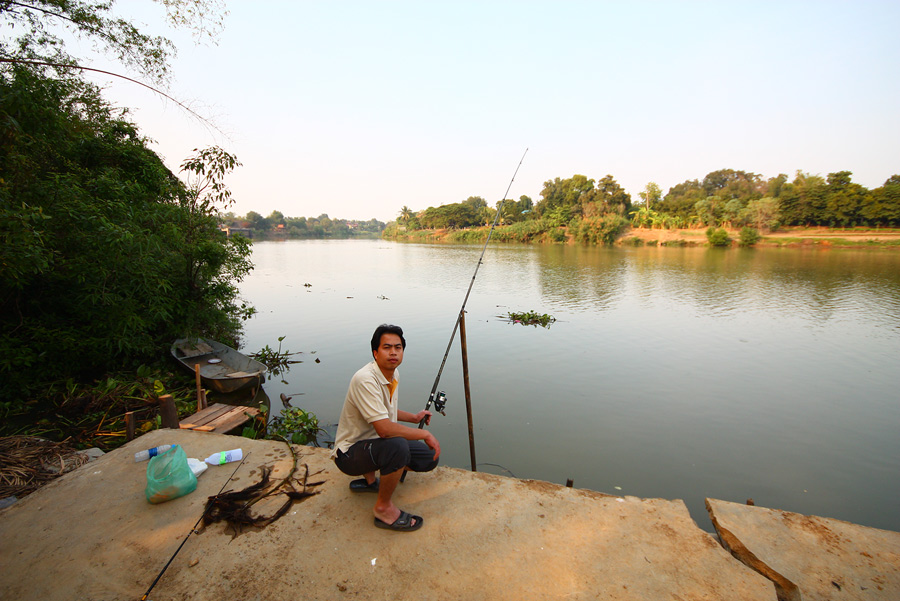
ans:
(201, 397)
(465, 367)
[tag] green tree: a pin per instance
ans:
(763, 214)
(516, 211)
(41, 44)
(802, 201)
(607, 197)
(652, 195)
(709, 210)
(454, 215)
(728, 183)
(213, 264)
(843, 199)
(733, 211)
(682, 198)
(882, 205)
(775, 184)
(296, 227)
(564, 193)
(559, 216)
(258, 223)
(476, 202)
(276, 218)
(106, 255)
(486, 215)
(373, 225)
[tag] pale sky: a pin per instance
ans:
(357, 108)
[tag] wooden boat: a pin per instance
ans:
(222, 368)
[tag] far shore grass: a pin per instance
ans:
(793, 237)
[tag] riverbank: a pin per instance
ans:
(92, 535)
(818, 237)
(787, 237)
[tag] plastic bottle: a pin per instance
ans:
(145, 455)
(225, 457)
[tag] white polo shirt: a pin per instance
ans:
(369, 399)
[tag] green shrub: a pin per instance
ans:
(523, 231)
(295, 426)
(717, 237)
(601, 230)
(468, 236)
(749, 236)
(558, 234)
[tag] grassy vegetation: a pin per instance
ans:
(832, 242)
(93, 415)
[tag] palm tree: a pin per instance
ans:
(405, 214)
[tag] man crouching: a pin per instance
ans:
(369, 437)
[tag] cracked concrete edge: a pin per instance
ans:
(785, 589)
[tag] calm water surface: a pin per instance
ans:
(769, 374)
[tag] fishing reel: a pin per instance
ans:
(439, 399)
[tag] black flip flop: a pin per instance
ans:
(360, 485)
(402, 524)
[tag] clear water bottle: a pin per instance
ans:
(145, 455)
(224, 457)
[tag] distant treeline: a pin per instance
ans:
(277, 225)
(723, 198)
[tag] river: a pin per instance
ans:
(680, 373)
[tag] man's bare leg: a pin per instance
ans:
(370, 477)
(385, 510)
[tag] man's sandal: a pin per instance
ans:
(402, 524)
(360, 485)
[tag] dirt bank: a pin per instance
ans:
(852, 237)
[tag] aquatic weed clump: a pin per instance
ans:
(532, 318)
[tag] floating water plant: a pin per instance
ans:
(277, 361)
(532, 318)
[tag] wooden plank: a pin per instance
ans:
(197, 428)
(204, 416)
(242, 374)
(219, 417)
(235, 418)
(189, 350)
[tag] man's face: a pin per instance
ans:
(389, 353)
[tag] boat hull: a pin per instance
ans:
(222, 368)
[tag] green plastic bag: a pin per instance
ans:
(169, 476)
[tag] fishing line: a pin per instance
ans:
(438, 398)
(194, 529)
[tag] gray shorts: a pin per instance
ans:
(386, 455)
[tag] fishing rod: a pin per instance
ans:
(194, 529)
(439, 398)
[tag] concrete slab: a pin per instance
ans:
(92, 535)
(811, 557)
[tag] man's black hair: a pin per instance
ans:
(387, 329)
